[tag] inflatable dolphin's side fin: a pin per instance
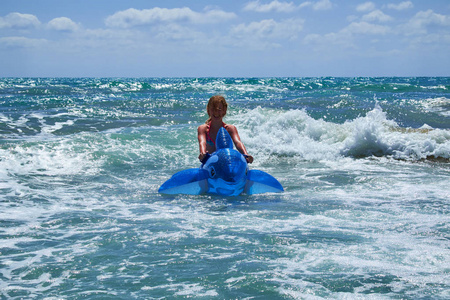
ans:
(259, 182)
(223, 139)
(190, 181)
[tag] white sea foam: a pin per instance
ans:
(221, 86)
(439, 105)
(54, 159)
(295, 133)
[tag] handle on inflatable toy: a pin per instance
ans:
(205, 158)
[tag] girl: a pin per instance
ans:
(217, 109)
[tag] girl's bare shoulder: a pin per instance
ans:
(202, 128)
(230, 128)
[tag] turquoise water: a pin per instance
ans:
(364, 163)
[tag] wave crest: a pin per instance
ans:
(295, 133)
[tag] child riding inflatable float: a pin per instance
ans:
(224, 172)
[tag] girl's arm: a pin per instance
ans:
(201, 134)
(232, 130)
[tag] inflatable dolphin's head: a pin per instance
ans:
(227, 168)
(223, 139)
(226, 164)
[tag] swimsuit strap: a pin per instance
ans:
(209, 140)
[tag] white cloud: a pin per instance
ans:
(177, 32)
(63, 24)
(327, 39)
(322, 5)
(434, 40)
(274, 6)
(401, 6)
(365, 28)
(367, 6)
(278, 6)
(346, 37)
(423, 19)
(265, 34)
(134, 17)
(20, 42)
(19, 21)
(376, 16)
(269, 29)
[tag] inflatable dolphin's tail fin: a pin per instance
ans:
(259, 182)
(223, 139)
(190, 181)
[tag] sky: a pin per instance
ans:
(229, 38)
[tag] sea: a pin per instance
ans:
(364, 162)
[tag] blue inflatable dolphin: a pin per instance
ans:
(225, 172)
